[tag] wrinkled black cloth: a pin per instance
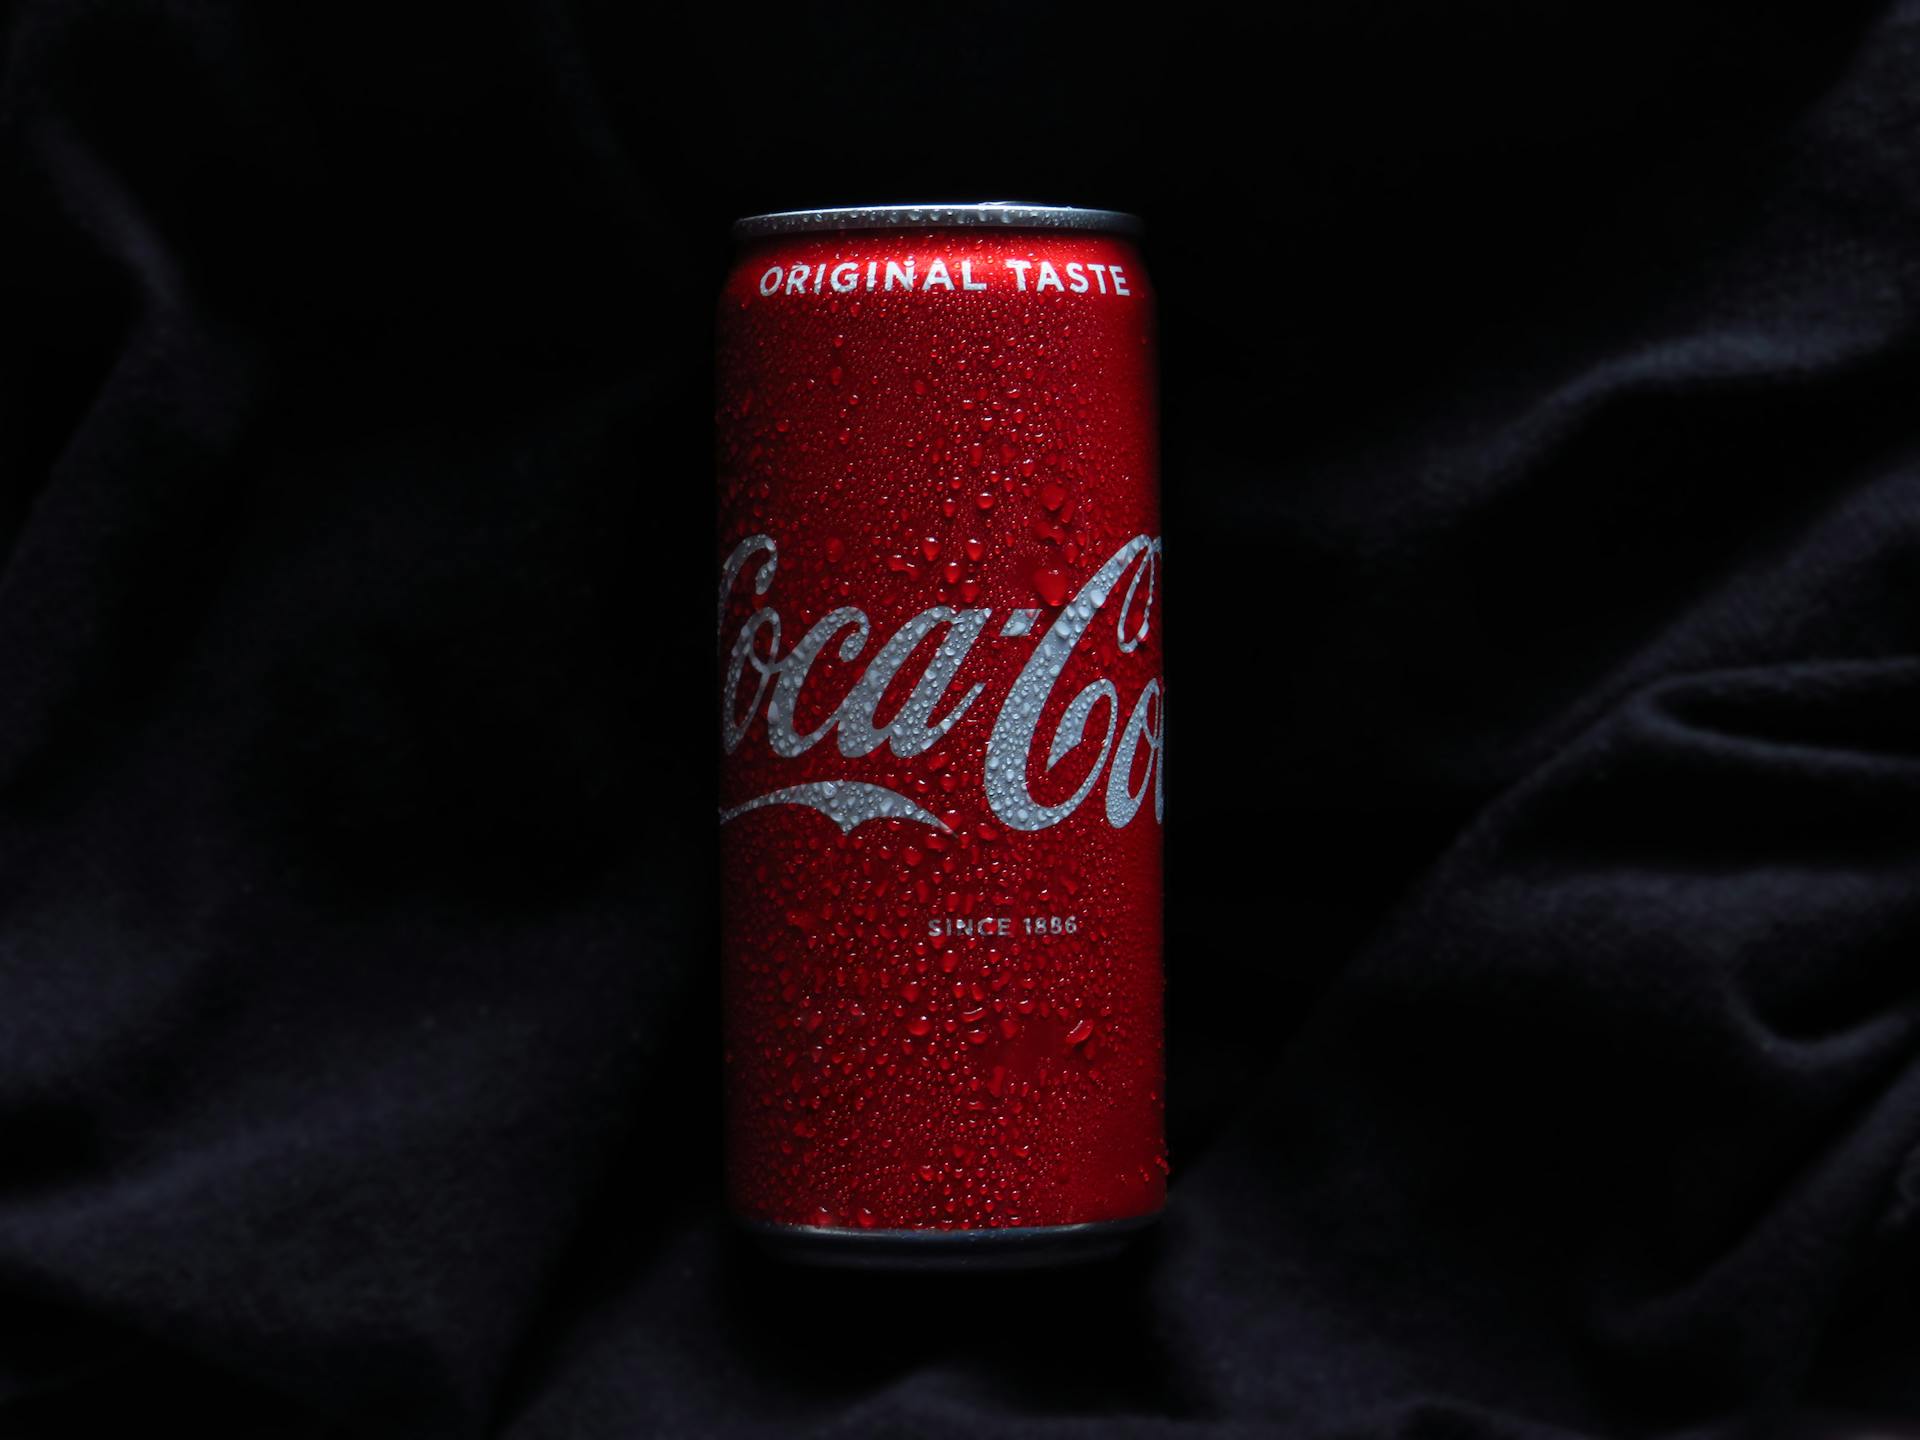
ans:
(1542, 465)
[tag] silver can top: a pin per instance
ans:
(1012, 214)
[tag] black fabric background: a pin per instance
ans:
(1542, 461)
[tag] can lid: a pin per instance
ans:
(1013, 214)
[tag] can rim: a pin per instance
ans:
(1012, 214)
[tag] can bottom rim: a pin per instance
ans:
(1012, 1247)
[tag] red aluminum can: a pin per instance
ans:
(941, 720)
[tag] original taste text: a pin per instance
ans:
(847, 276)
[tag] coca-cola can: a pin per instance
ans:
(941, 722)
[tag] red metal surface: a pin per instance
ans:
(943, 995)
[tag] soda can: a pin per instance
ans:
(941, 723)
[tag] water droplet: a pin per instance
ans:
(1051, 585)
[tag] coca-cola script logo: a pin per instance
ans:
(914, 728)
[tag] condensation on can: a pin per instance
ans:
(941, 715)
